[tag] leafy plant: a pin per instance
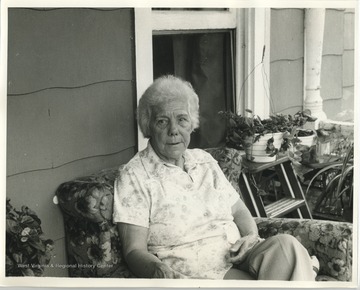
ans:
(240, 128)
(338, 185)
(296, 122)
(27, 252)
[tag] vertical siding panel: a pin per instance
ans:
(28, 143)
(333, 32)
(349, 29)
(101, 118)
(331, 78)
(337, 77)
(287, 34)
(287, 58)
(287, 91)
(348, 68)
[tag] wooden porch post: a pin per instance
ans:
(314, 32)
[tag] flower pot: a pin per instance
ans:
(257, 151)
(305, 148)
(305, 139)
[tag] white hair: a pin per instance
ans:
(162, 89)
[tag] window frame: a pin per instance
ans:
(252, 33)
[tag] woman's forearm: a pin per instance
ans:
(142, 263)
(134, 248)
(244, 220)
(145, 265)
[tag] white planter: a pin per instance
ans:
(304, 145)
(308, 140)
(257, 152)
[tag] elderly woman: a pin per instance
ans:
(177, 214)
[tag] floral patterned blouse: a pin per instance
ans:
(187, 212)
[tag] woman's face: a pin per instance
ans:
(170, 129)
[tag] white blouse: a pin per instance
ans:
(188, 213)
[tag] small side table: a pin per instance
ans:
(294, 200)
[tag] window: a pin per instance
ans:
(156, 31)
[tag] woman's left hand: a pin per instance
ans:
(240, 250)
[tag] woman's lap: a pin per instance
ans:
(280, 257)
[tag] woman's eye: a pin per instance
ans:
(162, 123)
(183, 121)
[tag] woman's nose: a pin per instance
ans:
(173, 128)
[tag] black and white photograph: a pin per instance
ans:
(179, 144)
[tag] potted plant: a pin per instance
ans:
(27, 252)
(262, 139)
(296, 134)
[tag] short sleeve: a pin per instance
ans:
(230, 193)
(131, 203)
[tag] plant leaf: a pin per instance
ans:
(262, 192)
(27, 272)
(27, 219)
(320, 172)
(343, 175)
(232, 123)
(274, 153)
(17, 257)
(37, 244)
(12, 226)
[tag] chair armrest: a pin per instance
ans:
(93, 249)
(92, 241)
(89, 197)
(329, 241)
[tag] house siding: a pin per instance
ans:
(337, 79)
(287, 62)
(70, 104)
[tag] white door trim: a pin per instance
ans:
(257, 61)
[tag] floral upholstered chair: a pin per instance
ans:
(94, 247)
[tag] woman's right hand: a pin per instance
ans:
(163, 271)
(240, 250)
